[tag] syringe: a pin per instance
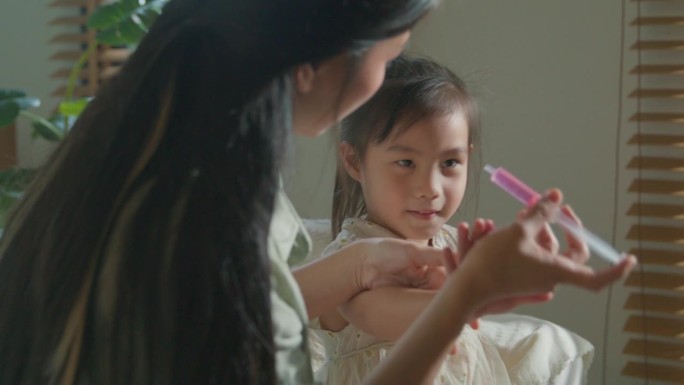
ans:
(527, 196)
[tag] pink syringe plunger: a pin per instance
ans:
(527, 196)
(512, 185)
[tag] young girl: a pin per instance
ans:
(404, 160)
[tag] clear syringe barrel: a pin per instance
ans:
(527, 196)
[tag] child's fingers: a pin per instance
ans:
(451, 260)
(463, 234)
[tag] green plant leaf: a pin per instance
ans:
(124, 22)
(73, 108)
(8, 93)
(52, 130)
(13, 182)
(9, 110)
(107, 16)
(27, 102)
(128, 32)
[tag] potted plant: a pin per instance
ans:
(121, 24)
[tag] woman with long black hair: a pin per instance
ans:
(153, 246)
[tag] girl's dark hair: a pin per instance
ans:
(413, 89)
(139, 254)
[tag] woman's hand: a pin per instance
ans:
(514, 264)
(395, 262)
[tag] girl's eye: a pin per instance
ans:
(451, 163)
(405, 163)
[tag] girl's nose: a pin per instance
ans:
(427, 185)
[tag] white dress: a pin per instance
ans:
(509, 349)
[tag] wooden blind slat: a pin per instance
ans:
(652, 233)
(657, 140)
(664, 327)
(656, 186)
(68, 3)
(664, 281)
(79, 91)
(656, 303)
(656, 163)
(67, 55)
(115, 55)
(659, 257)
(654, 371)
(64, 73)
(662, 20)
(658, 69)
(70, 38)
(656, 210)
(660, 117)
(664, 350)
(658, 93)
(69, 20)
(661, 45)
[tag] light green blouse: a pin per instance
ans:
(289, 243)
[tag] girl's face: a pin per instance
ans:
(414, 182)
(332, 90)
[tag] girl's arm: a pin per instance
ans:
(328, 282)
(508, 262)
(387, 312)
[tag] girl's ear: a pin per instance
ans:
(350, 161)
(304, 75)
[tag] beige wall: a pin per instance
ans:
(546, 74)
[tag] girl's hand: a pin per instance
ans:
(467, 238)
(395, 262)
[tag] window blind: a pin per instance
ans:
(103, 61)
(655, 303)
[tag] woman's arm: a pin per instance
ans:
(328, 282)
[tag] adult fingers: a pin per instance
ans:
(427, 256)
(541, 213)
(583, 276)
(577, 248)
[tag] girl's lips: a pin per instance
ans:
(428, 214)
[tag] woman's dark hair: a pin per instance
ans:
(413, 89)
(139, 254)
